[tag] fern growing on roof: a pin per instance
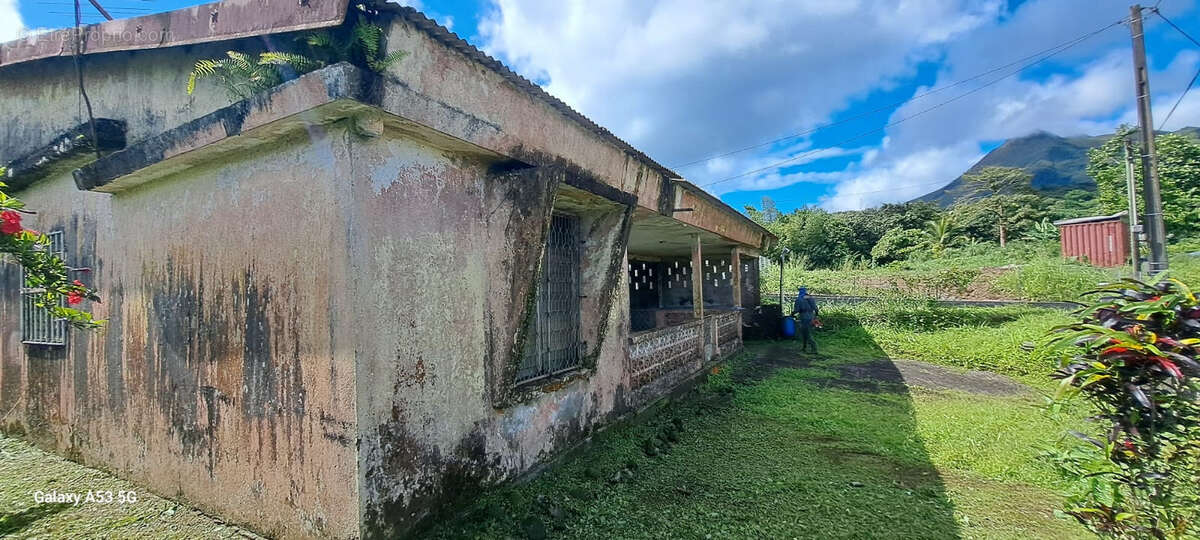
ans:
(243, 76)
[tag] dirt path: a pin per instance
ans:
(884, 374)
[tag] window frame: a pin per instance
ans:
(39, 327)
(543, 365)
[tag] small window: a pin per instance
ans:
(552, 342)
(38, 326)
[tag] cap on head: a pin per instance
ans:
(803, 291)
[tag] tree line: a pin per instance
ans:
(999, 205)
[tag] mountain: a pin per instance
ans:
(1058, 164)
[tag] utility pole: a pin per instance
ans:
(1135, 248)
(1156, 232)
(782, 252)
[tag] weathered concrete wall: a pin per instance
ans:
(225, 375)
(444, 260)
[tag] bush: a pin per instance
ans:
(896, 245)
(1133, 357)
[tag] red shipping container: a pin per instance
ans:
(1100, 241)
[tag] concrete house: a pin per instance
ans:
(338, 305)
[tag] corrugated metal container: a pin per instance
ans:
(1100, 241)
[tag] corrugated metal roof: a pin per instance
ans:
(1090, 219)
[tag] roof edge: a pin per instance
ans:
(1091, 219)
(216, 21)
(337, 82)
(451, 40)
(715, 201)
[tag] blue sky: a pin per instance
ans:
(685, 80)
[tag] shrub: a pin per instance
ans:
(896, 244)
(1133, 357)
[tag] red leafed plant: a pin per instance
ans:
(1133, 358)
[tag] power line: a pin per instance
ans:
(891, 105)
(1175, 26)
(938, 183)
(1060, 49)
(1194, 77)
(1180, 100)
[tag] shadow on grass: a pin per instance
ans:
(15, 522)
(774, 445)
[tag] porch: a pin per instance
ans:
(677, 273)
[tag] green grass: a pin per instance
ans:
(769, 449)
(986, 339)
(25, 469)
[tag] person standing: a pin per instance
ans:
(805, 310)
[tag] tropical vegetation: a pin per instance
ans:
(45, 274)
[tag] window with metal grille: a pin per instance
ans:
(552, 342)
(38, 326)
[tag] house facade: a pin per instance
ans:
(336, 306)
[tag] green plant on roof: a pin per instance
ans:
(243, 75)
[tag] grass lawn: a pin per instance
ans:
(779, 445)
(25, 469)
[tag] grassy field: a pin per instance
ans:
(781, 445)
(1020, 271)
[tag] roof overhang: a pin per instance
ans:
(318, 98)
(217, 21)
(67, 151)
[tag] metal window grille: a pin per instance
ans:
(552, 343)
(38, 326)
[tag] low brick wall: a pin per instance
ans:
(659, 360)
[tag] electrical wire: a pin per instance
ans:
(1194, 77)
(1178, 101)
(1175, 26)
(926, 184)
(889, 105)
(1060, 49)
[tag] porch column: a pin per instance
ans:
(735, 261)
(697, 278)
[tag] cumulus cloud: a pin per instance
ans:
(11, 25)
(683, 80)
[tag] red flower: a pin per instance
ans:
(1115, 350)
(1128, 444)
(78, 283)
(10, 222)
(74, 298)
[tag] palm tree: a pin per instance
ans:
(941, 234)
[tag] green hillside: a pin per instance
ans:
(1057, 163)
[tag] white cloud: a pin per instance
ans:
(11, 25)
(906, 178)
(682, 79)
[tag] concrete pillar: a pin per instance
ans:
(735, 262)
(697, 278)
